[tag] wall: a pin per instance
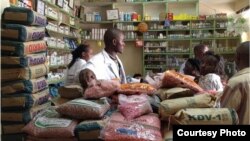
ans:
(212, 8)
(3, 4)
(229, 8)
(239, 5)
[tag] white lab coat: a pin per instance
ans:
(104, 67)
(72, 76)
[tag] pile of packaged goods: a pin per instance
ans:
(24, 89)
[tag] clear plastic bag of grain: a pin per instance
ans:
(134, 106)
(205, 116)
(171, 106)
(130, 131)
(84, 109)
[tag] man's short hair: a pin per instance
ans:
(199, 48)
(110, 34)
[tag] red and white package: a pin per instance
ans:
(130, 131)
(134, 106)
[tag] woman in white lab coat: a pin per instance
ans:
(79, 58)
(106, 64)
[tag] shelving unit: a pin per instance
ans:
(62, 27)
(184, 31)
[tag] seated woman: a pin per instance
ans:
(210, 70)
(79, 58)
(192, 67)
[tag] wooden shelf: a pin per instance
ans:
(55, 81)
(62, 34)
(210, 28)
(96, 22)
(52, 18)
(59, 49)
(57, 66)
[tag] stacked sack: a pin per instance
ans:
(185, 103)
(108, 110)
(89, 106)
(24, 90)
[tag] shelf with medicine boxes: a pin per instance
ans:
(175, 24)
(63, 34)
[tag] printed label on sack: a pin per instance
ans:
(39, 20)
(40, 98)
(35, 33)
(32, 47)
(38, 71)
(36, 59)
(39, 84)
(85, 103)
(45, 122)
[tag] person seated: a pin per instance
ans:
(210, 69)
(192, 68)
(237, 91)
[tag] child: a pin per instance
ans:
(210, 70)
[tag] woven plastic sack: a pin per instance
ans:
(205, 116)
(174, 79)
(84, 109)
(59, 101)
(23, 116)
(136, 88)
(11, 48)
(32, 138)
(17, 32)
(89, 129)
(25, 16)
(12, 128)
(134, 106)
(171, 106)
(70, 91)
(171, 93)
(49, 124)
(13, 137)
(24, 100)
(24, 61)
(130, 131)
(24, 86)
(103, 88)
(27, 73)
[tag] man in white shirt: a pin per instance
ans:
(199, 51)
(106, 64)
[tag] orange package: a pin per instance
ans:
(136, 88)
(174, 79)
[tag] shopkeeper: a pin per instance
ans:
(79, 58)
(106, 64)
